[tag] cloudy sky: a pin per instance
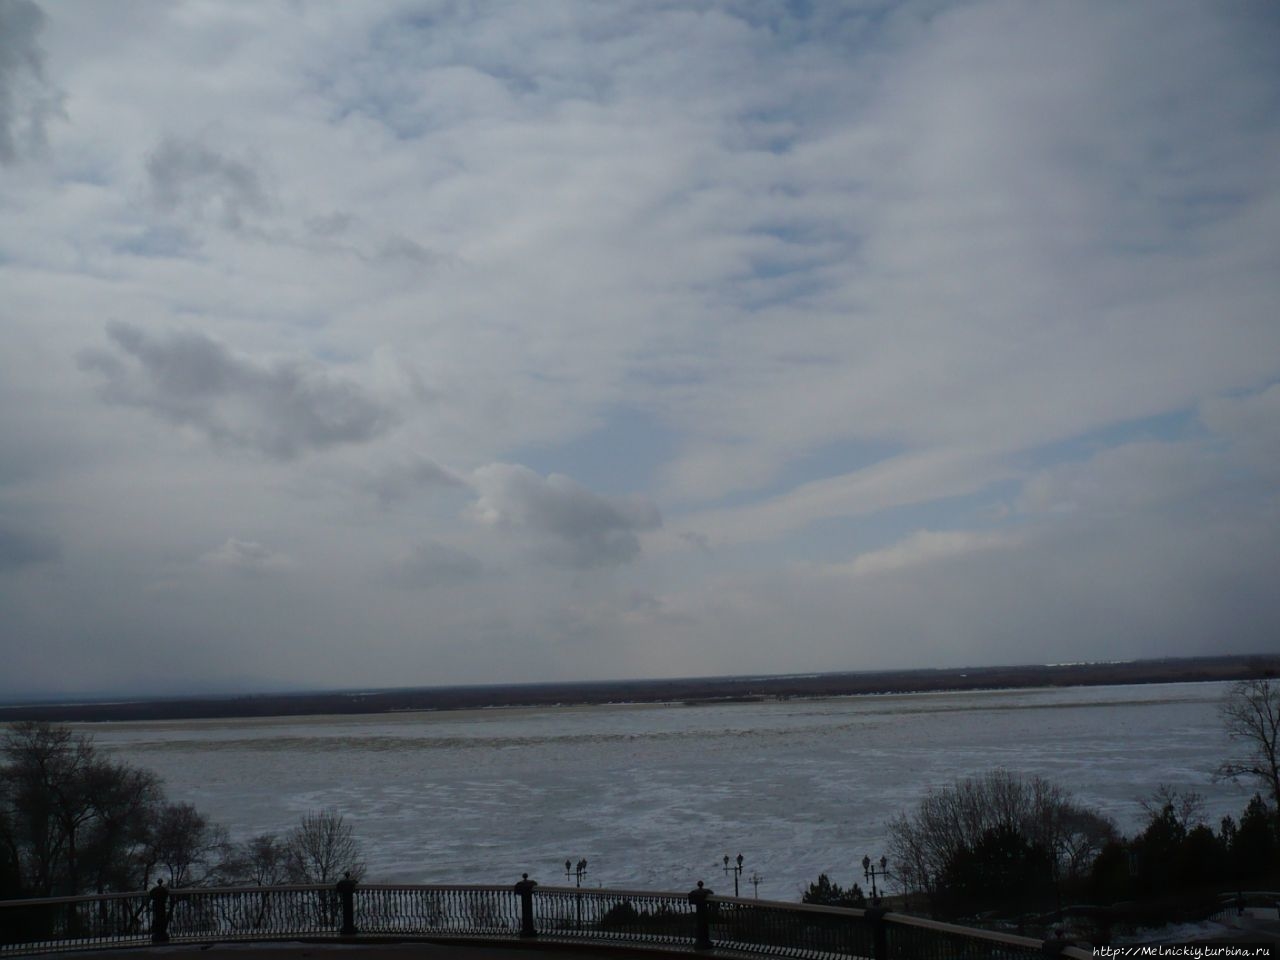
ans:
(407, 343)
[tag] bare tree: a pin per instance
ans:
(262, 861)
(1186, 807)
(125, 802)
(1251, 716)
(963, 816)
(1083, 834)
(72, 820)
(322, 848)
(186, 845)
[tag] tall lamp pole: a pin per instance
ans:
(869, 873)
(577, 871)
(735, 870)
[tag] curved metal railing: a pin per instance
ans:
(1235, 904)
(641, 918)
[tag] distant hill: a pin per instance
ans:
(691, 690)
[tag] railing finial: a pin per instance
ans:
(158, 899)
(347, 891)
(525, 889)
(702, 916)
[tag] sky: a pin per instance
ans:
(416, 343)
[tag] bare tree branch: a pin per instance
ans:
(322, 848)
(1251, 716)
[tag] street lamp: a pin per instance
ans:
(869, 873)
(735, 870)
(755, 880)
(578, 871)
(575, 871)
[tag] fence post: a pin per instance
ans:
(159, 901)
(347, 891)
(525, 889)
(702, 918)
(879, 933)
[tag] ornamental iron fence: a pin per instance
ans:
(348, 912)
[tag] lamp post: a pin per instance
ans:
(735, 870)
(577, 871)
(755, 880)
(869, 872)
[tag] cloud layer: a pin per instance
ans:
(383, 343)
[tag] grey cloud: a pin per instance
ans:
(397, 247)
(21, 548)
(26, 100)
(433, 563)
(342, 231)
(698, 541)
(644, 608)
(246, 556)
(188, 177)
(577, 527)
(192, 380)
(401, 480)
(330, 225)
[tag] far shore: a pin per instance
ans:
(698, 690)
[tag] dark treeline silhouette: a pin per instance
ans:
(73, 821)
(699, 690)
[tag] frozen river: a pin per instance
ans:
(655, 796)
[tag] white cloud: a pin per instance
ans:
(923, 546)
(903, 480)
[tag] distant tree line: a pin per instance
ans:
(1164, 670)
(73, 821)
